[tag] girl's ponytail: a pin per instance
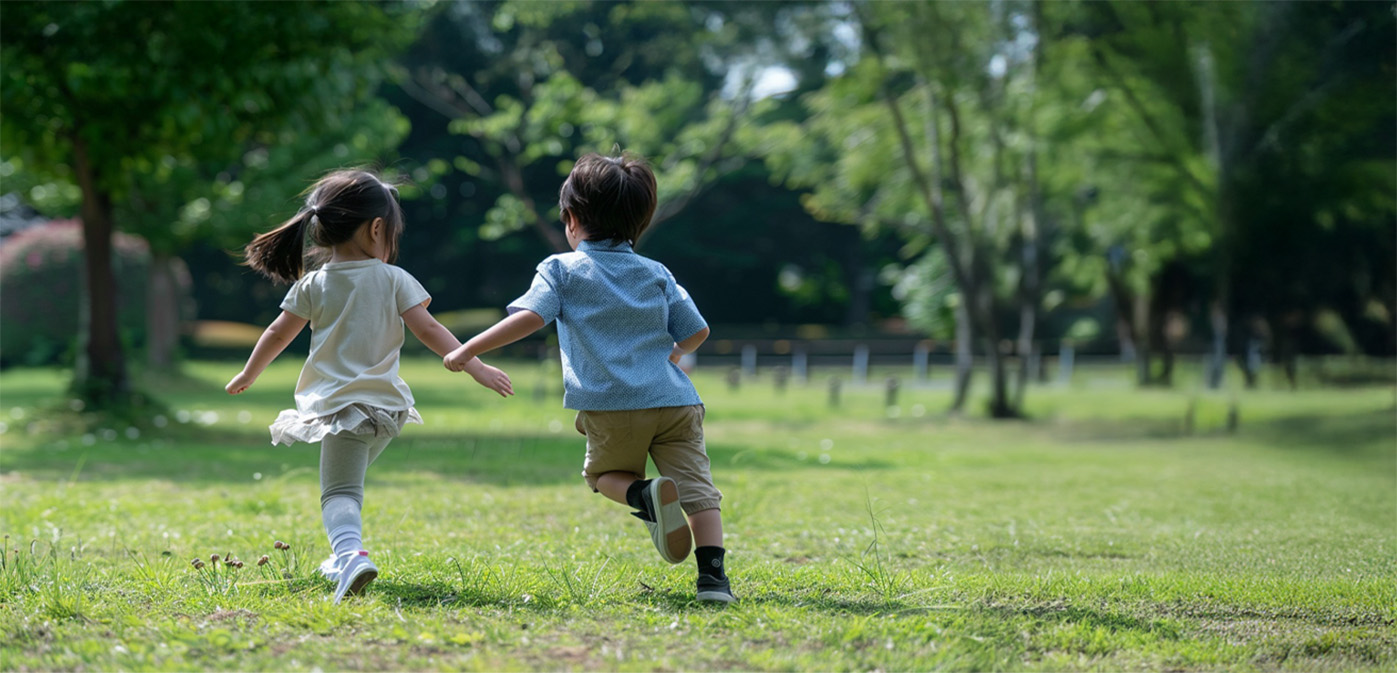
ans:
(278, 254)
(337, 206)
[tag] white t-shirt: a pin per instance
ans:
(355, 312)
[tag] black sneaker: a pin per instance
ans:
(714, 589)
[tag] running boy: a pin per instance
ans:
(623, 324)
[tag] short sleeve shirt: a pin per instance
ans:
(619, 315)
(355, 313)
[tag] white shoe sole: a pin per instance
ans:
(358, 578)
(670, 532)
(715, 596)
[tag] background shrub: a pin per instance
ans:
(41, 281)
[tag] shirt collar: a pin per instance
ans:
(353, 264)
(605, 245)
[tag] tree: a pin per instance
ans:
(111, 94)
(895, 141)
(1223, 93)
(527, 92)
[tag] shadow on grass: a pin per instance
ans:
(1355, 434)
(432, 595)
(195, 457)
(1351, 434)
(1086, 617)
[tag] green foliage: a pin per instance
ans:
(41, 269)
(198, 82)
(540, 95)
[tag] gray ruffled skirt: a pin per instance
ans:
(358, 419)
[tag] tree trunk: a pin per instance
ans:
(1218, 311)
(1144, 376)
(1028, 288)
(1157, 317)
(1000, 405)
(965, 356)
(162, 313)
(100, 377)
(1124, 306)
(1028, 318)
(1217, 353)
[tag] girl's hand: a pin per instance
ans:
(490, 377)
(241, 382)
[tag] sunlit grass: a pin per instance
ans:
(1100, 535)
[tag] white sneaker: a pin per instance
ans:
(355, 574)
(669, 529)
(330, 567)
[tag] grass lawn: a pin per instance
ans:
(1098, 536)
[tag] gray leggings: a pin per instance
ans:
(344, 459)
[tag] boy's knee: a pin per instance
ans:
(693, 507)
(593, 478)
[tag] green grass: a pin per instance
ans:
(1098, 536)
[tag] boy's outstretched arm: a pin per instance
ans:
(688, 345)
(502, 333)
(273, 341)
(436, 337)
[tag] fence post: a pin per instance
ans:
(860, 364)
(890, 398)
(834, 391)
(749, 360)
(779, 375)
(798, 365)
(734, 378)
(920, 361)
(1065, 357)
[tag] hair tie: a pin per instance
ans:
(315, 211)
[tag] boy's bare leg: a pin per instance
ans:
(614, 484)
(707, 525)
(708, 528)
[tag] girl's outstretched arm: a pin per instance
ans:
(429, 331)
(502, 333)
(442, 342)
(272, 342)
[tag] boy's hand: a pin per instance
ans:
(490, 377)
(456, 360)
(241, 382)
(675, 354)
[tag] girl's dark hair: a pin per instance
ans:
(610, 197)
(338, 204)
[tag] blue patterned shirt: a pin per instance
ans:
(619, 315)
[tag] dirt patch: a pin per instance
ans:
(231, 615)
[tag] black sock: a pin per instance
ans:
(633, 494)
(710, 561)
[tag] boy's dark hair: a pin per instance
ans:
(611, 198)
(337, 206)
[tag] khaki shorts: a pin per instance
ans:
(619, 441)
